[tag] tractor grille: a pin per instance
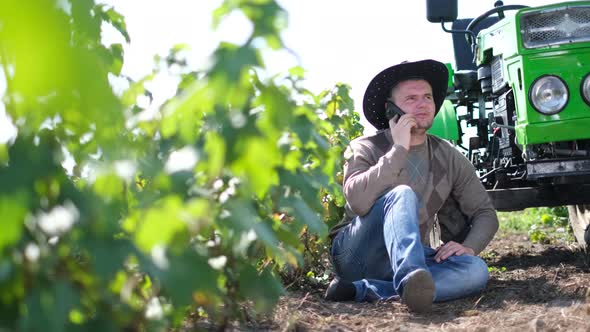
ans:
(498, 81)
(564, 25)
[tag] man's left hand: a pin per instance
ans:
(451, 248)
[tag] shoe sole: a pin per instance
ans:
(418, 291)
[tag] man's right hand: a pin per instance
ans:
(401, 130)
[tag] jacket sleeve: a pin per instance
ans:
(366, 179)
(475, 203)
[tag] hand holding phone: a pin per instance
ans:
(392, 109)
(401, 134)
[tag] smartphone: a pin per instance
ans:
(392, 110)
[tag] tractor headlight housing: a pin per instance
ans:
(585, 89)
(549, 94)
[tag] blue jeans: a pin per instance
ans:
(378, 251)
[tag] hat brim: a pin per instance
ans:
(379, 89)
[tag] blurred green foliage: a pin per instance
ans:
(194, 210)
(542, 225)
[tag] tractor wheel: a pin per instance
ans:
(579, 216)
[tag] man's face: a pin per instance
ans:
(415, 97)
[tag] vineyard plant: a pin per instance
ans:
(205, 208)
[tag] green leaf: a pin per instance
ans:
(304, 185)
(303, 214)
(109, 256)
(242, 215)
(258, 162)
(188, 277)
(99, 322)
(321, 141)
(160, 223)
(85, 20)
(262, 288)
(233, 62)
(343, 92)
(292, 160)
(13, 210)
(3, 154)
(297, 72)
(135, 90)
(117, 56)
(109, 186)
(9, 314)
(215, 149)
(331, 108)
(12, 287)
(244, 218)
(117, 21)
(278, 111)
(266, 234)
(200, 211)
(288, 235)
(274, 42)
(184, 112)
(268, 18)
(48, 309)
(303, 128)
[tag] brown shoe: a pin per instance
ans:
(418, 291)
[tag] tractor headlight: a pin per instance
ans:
(586, 89)
(549, 94)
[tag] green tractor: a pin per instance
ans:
(521, 84)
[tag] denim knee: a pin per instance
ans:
(477, 269)
(404, 193)
(459, 277)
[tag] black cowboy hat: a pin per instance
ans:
(379, 90)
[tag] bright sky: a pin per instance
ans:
(335, 40)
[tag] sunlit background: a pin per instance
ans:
(334, 41)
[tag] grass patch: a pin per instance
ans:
(542, 225)
(519, 221)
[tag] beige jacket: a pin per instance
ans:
(374, 165)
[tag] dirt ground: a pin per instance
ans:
(533, 287)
